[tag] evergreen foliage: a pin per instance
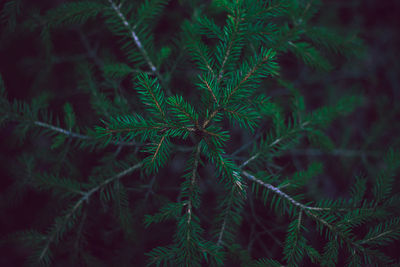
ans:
(147, 132)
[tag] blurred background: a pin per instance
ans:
(30, 69)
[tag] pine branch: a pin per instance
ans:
(151, 95)
(383, 233)
(198, 50)
(159, 152)
(91, 51)
(279, 192)
(148, 11)
(184, 113)
(344, 236)
(55, 233)
(227, 213)
(311, 56)
(80, 136)
(85, 198)
(272, 144)
(191, 186)
(73, 13)
(135, 38)
(231, 43)
(112, 179)
(61, 130)
(294, 244)
(247, 118)
(211, 88)
(231, 209)
(233, 67)
(252, 74)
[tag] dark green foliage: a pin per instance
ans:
(117, 70)
(310, 55)
(153, 158)
(295, 243)
(73, 13)
(9, 13)
(385, 177)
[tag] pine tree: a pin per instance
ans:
(153, 101)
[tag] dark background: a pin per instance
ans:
(371, 129)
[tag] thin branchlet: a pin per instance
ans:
(135, 38)
(85, 198)
(81, 136)
(279, 192)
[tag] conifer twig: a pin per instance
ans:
(80, 136)
(229, 47)
(376, 237)
(258, 222)
(133, 35)
(61, 130)
(221, 233)
(223, 227)
(85, 197)
(192, 183)
(334, 229)
(138, 43)
(275, 142)
(91, 52)
(210, 90)
(276, 190)
(79, 232)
